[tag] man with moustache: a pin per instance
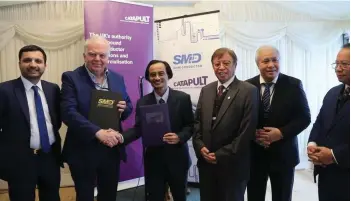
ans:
(91, 152)
(30, 144)
(225, 123)
(283, 114)
(329, 142)
(167, 163)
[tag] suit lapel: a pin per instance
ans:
(345, 110)
(48, 96)
(209, 96)
(22, 98)
(172, 105)
(277, 95)
(228, 99)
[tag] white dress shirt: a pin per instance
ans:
(34, 128)
(271, 89)
(164, 97)
(226, 84)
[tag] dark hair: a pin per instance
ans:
(347, 45)
(31, 48)
(152, 62)
(221, 51)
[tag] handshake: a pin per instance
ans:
(109, 137)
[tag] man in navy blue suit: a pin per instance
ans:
(329, 142)
(30, 144)
(91, 152)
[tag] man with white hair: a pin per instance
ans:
(90, 151)
(283, 114)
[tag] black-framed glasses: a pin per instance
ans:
(343, 65)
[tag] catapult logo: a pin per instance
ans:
(137, 19)
(196, 82)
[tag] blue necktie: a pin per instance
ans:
(43, 131)
(266, 97)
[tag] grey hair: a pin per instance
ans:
(96, 39)
(265, 47)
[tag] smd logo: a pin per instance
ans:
(183, 61)
(137, 19)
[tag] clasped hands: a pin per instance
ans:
(171, 138)
(266, 136)
(320, 155)
(209, 157)
(109, 137)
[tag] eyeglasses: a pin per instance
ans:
(343, 65)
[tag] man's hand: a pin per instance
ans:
(108, 137)
(271, 134)
(171, 138)
(121, 105)
(311, 151)
(209, 157)
(261, 139)
(324, 155)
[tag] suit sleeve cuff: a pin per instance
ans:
(334, 157)
(312, 144)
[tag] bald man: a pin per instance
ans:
(283, 114)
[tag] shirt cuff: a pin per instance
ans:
(312, 144)
(334, 156)
(122, 138)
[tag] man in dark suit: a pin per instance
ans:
(283, 114)
(30, 144)
(225, 123)
(329, 142)
(91, 152)
(167, 163)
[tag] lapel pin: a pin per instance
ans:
(228, 97)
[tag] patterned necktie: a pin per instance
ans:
(43, 131)
(266, 97)
(161, 101)
(220, 90)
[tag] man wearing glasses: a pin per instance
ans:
(91, 152)
(283, 114)
(329, 142)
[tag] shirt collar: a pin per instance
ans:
(93, 77)
(227, 83)
(28, 85)
(164, 97)
(273, 81)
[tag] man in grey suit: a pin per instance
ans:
(225, 123)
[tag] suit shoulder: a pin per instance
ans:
(252, 80)
(336, 89)
(115, 74)
(290, 79)
(180, 93)
(247, 86)
(8, 84)
(51, 84)
(210, 85)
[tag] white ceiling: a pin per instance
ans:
(320, 9)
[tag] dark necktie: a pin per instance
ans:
(266, 97)
(161, 101)
(221, 89)
(43, 131)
